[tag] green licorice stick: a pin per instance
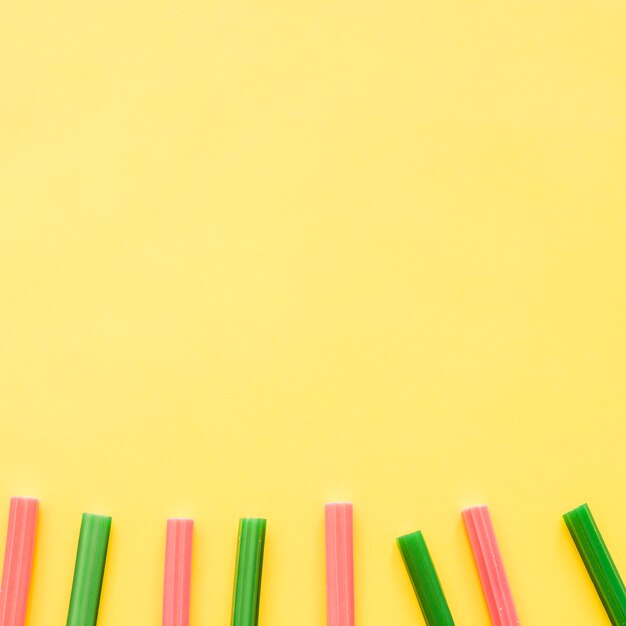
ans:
(89, 570)
(425, 581)
(247, 591)
(598, 562)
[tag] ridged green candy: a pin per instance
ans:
(247, 591)
(425, 581)
(91, 555)
(598, 561)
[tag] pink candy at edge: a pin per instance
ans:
(18, 561)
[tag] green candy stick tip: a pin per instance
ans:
(418, 534)
(584, 507)
(97, 516)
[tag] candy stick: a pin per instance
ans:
(598, 561)
(18, 561)
(490, 567)
(339, 565)
(89, 570)
(425, 581)
(177, 579)
(247, 592)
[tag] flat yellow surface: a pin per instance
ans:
(255, 257)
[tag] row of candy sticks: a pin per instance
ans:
(94, 539)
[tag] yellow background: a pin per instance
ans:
(260, 256)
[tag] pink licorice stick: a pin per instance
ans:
(18, 561)
(339, 565)
(490, 567)
(177, 581)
